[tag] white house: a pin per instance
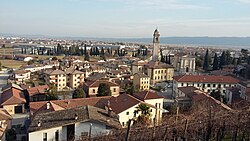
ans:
(206, 83)
(77, 123)
(125, 106)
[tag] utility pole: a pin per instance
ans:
(127, 134)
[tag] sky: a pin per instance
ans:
(126, 18)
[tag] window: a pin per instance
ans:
(204, 85)
(44, 136)
(114, 89)
(208, 85)
(219, 85)
(161, 71)
(187, 84)
(181, 84)
(123, 124)
(93, 90)
(57, 135)
(214, 85)
(59, 80)
(127, 113)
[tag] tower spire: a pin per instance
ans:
(156, 43)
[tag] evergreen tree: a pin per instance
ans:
(222, 60)
(238, 61)
(228, 58)
(162, 57)
(138, 52)
(102, 51)
(79, 93)
(91, 51)
(85, 49)
(104, 90)
(215, 62)
(82, 52)
(51, 93)
(169, 59)
(166, 59)
(146, 52)
(206, 63)
(234, 61)
(87, 57)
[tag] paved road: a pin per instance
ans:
(3, 79)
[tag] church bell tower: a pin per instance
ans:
(156, 41)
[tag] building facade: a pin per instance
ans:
(141, 81)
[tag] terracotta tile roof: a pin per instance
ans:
(142, 75)
(139, 63)
(206, 79)
(21, 71)
(11, 85)
(158, 65)
(12, 96)
(123, 102)
(188, 89)
(54, 72)
(146, 95)
(37, 90)
(65, 117)
(37, 107)
(97, 82)
(4, 115)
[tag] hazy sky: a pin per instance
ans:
(125, 18)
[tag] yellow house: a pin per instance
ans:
(91, 87)
(56, 77)
(158, 71)
(74, 78)
(141, 81)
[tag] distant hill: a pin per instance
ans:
(196, 41)
(236, 42)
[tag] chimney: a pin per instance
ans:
(48, 105)
(76, 116)
(39, 124)
(109, 109)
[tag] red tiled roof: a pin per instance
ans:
(205, 79)
(123, 102)
(4, 115)
(12, 96)
(146, 95)
(158, 65)
(97, 82)
(99, 102)
(37, 90)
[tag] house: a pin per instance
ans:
(184, 63)
(5, 123)
(157, 71)
(37, 93)
(74, 77)
(244, 90)
(72, 124)
(13, 100)
(91, 87)
(21, 75)
(56, 105)
(141, 81)
(206, 83)
(56, 77)
(125, 106)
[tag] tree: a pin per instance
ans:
(104, 90)
(206, 62)
(222, 60)
(216, 94)
(162, 57)
(51, 93)
(54, 58)
(87, 57)
(85, 49)
(215, 62)
(238, 61)
(79, 93)
(145, 113)
(228, 58)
